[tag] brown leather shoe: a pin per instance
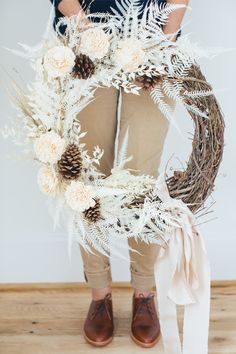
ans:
(99, 326)
(145, 328)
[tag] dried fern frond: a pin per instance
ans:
(21, 100)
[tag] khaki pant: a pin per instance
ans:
(147, 132)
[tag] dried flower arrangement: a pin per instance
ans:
(129, 53)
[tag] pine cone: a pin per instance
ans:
(84, 67)
(70, 164)
(93, 214)
(148, 82)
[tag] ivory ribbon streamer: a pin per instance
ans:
(182, 275)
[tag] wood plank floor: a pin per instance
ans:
(47, 321)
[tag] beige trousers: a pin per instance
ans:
(147, 132)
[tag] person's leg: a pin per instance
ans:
(142, 266)
(147, 132)
(97, 273)
(98, 119)
(148, 128)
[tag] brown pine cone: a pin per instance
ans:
(148, 82)
(84, 67)
(70, 164)
(93, 214)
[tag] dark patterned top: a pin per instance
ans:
(95, 6)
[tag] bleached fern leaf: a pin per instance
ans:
(126, 6)
(163, 11)
(172, 89)
(198, 94)
(158, 97)
(193, 108)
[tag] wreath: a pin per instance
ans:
(194, 185)
(129, 53)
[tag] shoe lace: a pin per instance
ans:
(145, 305)
(102, 307)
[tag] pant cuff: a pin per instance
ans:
(98, 280)
(142, 282)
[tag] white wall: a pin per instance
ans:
(29, 250)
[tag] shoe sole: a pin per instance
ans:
(98, 344)
(145, 345)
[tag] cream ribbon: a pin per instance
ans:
(182, 275)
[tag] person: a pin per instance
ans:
(147, 132)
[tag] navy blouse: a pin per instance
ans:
(95, 6)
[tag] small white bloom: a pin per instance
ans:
(59, 60)
(49, 147)
(47, 180)
(80, 196)
(129, 55)
(94, 42)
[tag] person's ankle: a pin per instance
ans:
(99, 294)
(146, 293)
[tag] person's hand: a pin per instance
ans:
(175, 18)
(71, 8)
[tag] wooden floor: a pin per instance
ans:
(49, 321)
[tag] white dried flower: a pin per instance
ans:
(59, 61)
(49, 147)
(94, 42)
(129, 55)
(47, 180)
(80, 196)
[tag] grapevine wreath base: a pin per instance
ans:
(130, 53)
(196, 183)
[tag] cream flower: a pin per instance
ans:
(129, 55)
(80, 196)
(49, 147)
(58, 61)
(94, 42)
(47, 180)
